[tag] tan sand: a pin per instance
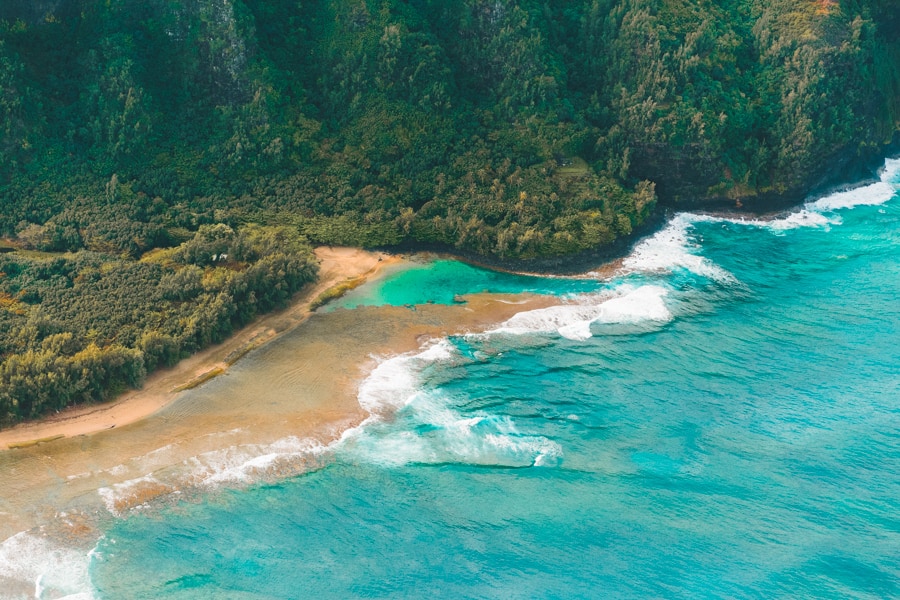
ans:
(337, 265)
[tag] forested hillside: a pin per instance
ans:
(81, 327)
(514, 130)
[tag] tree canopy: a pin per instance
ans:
(79, 327)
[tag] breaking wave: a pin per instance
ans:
(34, 566)
(628, 305)
(673, 248)
(413, 422)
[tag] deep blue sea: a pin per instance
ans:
(721, 418)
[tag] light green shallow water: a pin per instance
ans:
(441, 281)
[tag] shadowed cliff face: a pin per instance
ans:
(682, 175)
(687, 178)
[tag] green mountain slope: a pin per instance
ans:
(509, 129)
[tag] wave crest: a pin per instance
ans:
(413, 424)
(670, 249)
(573, 321)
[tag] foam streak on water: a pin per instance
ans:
(412, 423)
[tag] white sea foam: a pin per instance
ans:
(429, 431)
(868, 195)
(394, 382)
(238, 464)
(132, 493)
(670, 249)
(794, 220)
(801, 218)
(482, 439)
(573, 321)
(252, 462)
(34, 566)
(546, 320)
(425, 428)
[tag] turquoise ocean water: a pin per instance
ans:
(720, 419)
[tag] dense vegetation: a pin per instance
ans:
(80, 327)
(514, 129)
(509, 129)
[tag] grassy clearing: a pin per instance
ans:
(577, 167)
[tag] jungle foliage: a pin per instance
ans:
(512, 129)
(80, 327)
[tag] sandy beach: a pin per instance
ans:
(337, 265)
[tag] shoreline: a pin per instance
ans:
(268, 419)
(601, 259)
(341, 269)
(338, 265)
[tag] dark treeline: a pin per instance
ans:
(515, 130)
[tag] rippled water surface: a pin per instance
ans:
(720, 419)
